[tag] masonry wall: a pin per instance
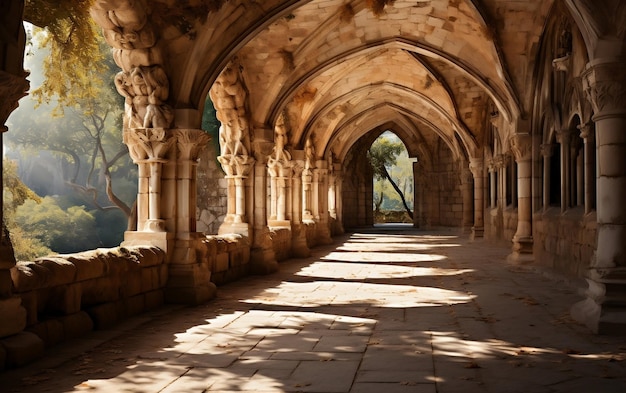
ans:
(445, 186)
(565, 242)
(212, 193)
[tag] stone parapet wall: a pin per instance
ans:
(565, 242)
(229, 257)
(281, 243)
(65, 296)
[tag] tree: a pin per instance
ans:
(74, 43)
(86, 136)
(15, 194)
(382, 154)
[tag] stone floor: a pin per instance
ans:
(398, 311)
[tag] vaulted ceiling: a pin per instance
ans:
(340, 68)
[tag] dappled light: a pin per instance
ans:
(442, 314)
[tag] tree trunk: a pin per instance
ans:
(395, 187)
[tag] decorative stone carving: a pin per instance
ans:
(279, 167)
(143, 81)
(521, 146)
(605, 86)
(307, 180)
(145, 90)
(229, 96)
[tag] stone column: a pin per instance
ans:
(279, 166)
(189, 275)
(262, 257)
(476, 167)
(492, 181)
(547, 150)
(523, 238)
(299, 247)
(564, 138)
(467, 194)
(604, 310)
(307, 183)
(320, 187)
(588, 134)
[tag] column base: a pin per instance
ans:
(522, 251)
(299, 247)
(279, 224)
(163, 240)
(604, 309)
(239, 228)
(263, 261)
(189, 284)
(477, 233)
(262, 257)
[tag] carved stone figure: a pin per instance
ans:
(229, 97)
(145, 89)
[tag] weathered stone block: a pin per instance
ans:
(61, 270)
(221, 262)
(101, 290)
(131, 283)
(104, 315)
(135, 305)
(22, 348)
(65, 299)
(76, 325)
(154, 299)
(88, 265)
(27, 276)
(50, 331)
(13, 316)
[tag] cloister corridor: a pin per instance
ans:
(390, 308)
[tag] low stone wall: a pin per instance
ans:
(229, 257)
(65, 296)
(281, 243)
(565, 242)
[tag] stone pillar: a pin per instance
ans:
(546, 152)
(523, 238)
(149, 149)
(189, 275)
(307, 183)
(492, 181)
(320, 187)
(564, 137)
(604, 310)
(262, 257)
(279, 166)
(588, 134)
(476, 167)
(467, 194)
(299, 247)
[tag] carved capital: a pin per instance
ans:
(521, 146)
(587, 132)
(190, 142)
(605, 87)
(236, 166)
(476, 166)
(564, 137)
(547, 149)
(12, 88)
(148, 144)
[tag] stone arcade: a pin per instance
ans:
(514, 111)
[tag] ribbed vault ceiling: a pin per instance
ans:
(433, 69)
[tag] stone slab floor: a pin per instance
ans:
(397, 311)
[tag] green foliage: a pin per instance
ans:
(15, 194)
(73, 70)
(382, 154)
(65, 231)
(393, 174)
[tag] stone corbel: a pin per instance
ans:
(521, 145)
